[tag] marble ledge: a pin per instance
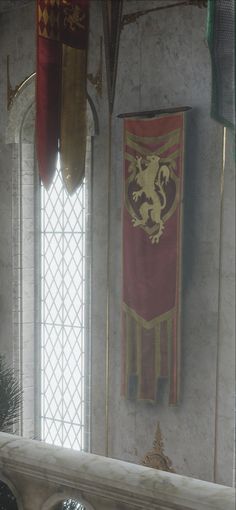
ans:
(113, 481)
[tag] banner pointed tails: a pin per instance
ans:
(153, 188)
(75, 25)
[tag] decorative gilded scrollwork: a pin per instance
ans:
(156, 457)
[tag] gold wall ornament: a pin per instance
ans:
(134, 16)
(96, 80)
(12, 92)
(156, 457)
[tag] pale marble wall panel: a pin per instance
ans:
(99, 226)
(17, 39)
(164, 62)
(226, 367)
(6, 347)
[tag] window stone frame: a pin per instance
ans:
(20, 135)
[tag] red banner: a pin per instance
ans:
(152, 255)
(48, 87)
(62, 39)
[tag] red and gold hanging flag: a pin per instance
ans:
(63, 27)
(152, 255)
(48, 87)
(75, 24)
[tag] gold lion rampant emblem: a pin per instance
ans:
(74, 17)
(151, 177)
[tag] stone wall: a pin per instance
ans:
(163, 62)
(17, 39)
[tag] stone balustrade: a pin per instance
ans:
(41, 476)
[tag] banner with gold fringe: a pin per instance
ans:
(152, 226)
(62, 40)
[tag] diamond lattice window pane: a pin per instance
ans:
(62, 315)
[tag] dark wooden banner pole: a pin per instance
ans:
(153, 113)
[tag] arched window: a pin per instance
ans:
(51, 257)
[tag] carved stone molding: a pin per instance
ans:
(43, 475)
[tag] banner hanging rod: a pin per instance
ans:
(153, 113)
(132, 17)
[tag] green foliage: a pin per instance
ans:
(10, 403)
(10, 397)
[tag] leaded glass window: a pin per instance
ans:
(64, 320)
